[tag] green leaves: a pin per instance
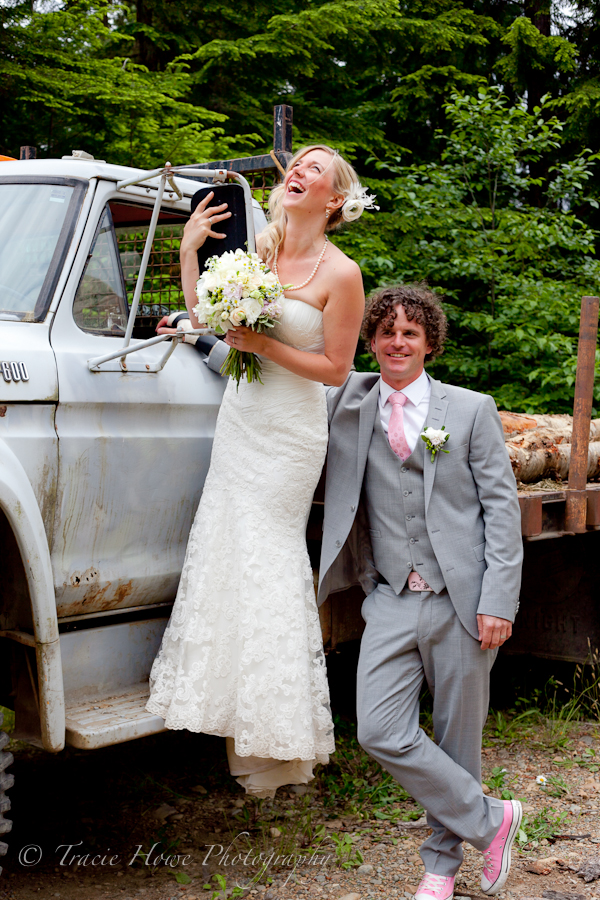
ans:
(530, 49)
(346, 854)
(61, 85)
(491, 199)
(512, 272)
(545, 825)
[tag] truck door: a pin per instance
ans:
(134, 447)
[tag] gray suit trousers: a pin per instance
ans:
(409, 637)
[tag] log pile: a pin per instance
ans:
(540, 446)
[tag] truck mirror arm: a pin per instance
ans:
(95, 363)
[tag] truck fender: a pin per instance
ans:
(19, 504)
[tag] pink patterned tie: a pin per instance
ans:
(396, 435)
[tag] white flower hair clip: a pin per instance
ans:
(356, 202)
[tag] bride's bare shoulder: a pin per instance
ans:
(344, 266)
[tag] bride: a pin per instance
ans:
(242, 655)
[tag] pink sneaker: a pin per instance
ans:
(440, 887)
(497, 856)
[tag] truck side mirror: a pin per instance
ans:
(234, 228)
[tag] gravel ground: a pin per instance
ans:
(173, 792)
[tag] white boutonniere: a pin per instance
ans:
(435, 438)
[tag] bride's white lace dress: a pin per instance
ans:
(242, 656)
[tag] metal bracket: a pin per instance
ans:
(21, 637)
(124, 366)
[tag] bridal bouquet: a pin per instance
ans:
(238, 289)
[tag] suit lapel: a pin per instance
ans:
(436, 417)
(368, 411)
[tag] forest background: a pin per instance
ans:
(477, 124)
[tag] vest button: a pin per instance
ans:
(412, 540)
(405, 493)
(408, 518)
(409, 565)
(404, 470)
(352, 508)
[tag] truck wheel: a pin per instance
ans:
(6, 782)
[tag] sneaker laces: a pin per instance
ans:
(488, 865)
(431, 882)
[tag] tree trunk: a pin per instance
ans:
(144, 46)
(538, 82)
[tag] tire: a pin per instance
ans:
(6, 782)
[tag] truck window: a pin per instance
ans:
(100, 304)
(32, 218)
(161, 293)
(107, 286)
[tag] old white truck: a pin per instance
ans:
(105, 440)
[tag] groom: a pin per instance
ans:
(435, 543)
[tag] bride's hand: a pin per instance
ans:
(246, 340)
(199, 225)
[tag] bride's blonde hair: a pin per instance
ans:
(344, 180)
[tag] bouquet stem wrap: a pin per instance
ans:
(237, 288)
(239, 364)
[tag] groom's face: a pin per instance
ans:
(400, 347)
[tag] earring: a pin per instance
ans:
(327, 212)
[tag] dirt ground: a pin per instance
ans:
(160, 818)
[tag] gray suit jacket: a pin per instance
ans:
(472, 512)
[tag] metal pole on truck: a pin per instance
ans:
(283, 120)
(576, 502)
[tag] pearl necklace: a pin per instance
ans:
(296, 287)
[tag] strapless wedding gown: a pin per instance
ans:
(242, 655)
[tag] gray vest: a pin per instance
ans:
(395, 499)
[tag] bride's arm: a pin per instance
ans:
(197, 229)
(342, 319)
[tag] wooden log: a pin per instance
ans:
(520, 423)
(545, 436)
(540, 446)
(551, 460)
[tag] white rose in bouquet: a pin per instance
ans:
(270, 279)
(211, 281)
(253, 309)
(238, 316)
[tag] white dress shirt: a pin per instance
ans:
(418, 394)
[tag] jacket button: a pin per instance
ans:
(409, 565)
(338, 543)
(352, 508)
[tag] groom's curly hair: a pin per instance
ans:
(420, 304)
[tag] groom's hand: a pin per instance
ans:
(493, 632)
